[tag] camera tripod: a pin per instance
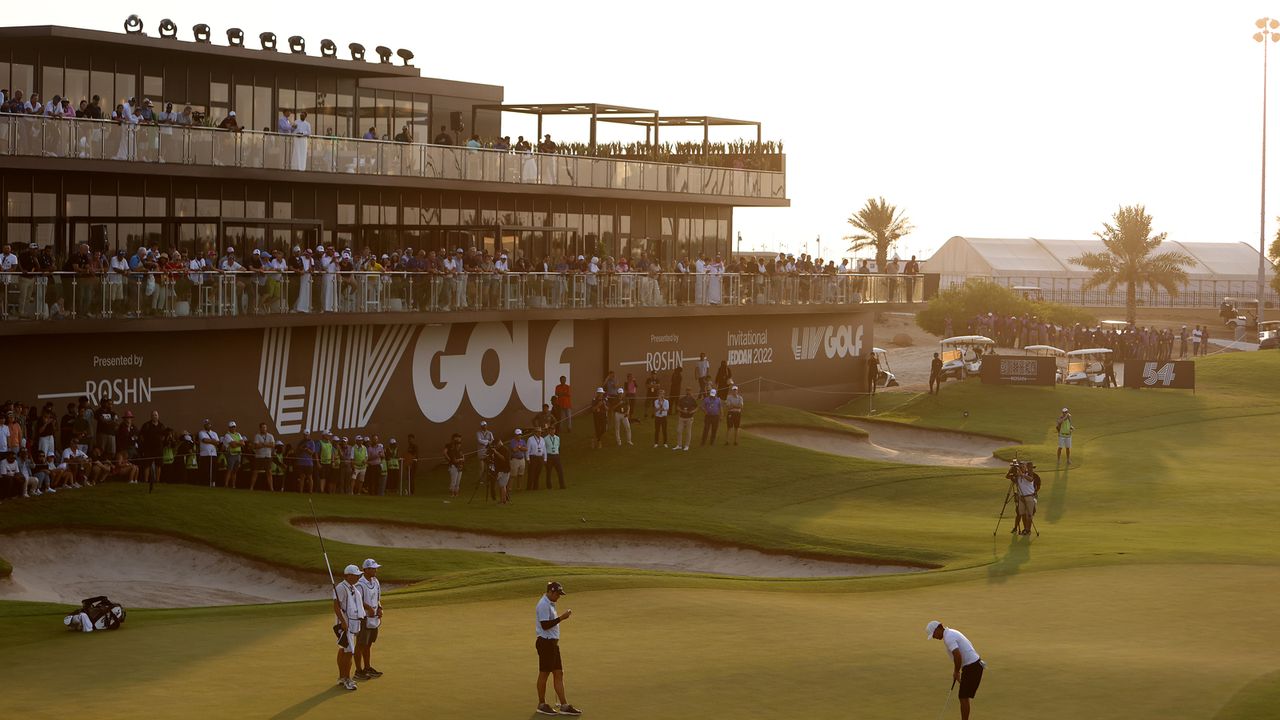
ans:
(487, 480)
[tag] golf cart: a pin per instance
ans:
(1235, 318)
(885, 378)
(1087, 367)
(1029, 292)
(962, 355)
(1059, 358)
(1269, 335)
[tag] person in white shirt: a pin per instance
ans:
(967, 664)
(348, 606)
(208, 440)
(661, 409)
(537, 451)
(371, 596)
(547, 627)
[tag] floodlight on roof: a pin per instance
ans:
(328, 48)
(201, 32)
(384, 54)
(168, 29)
(357, 51)
(235, 37)
(405, 55)
(297, 45)
(268, 41)
(133, 25)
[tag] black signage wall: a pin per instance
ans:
(1160, 374)
(999, 370)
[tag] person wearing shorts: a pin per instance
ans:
(500, 455)
(1065, 427)
(967, 664)
(371, 596)
(733, 415)
(264, 444)
(233, 442)
(348, 606)
(547, 627)
(454, 457)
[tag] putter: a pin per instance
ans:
(947, 701)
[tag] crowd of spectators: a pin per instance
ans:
(151, 281)
(1126, 342)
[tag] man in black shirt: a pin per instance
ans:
(151, 439)
(547, 145)
(443, 137)
(935, 375)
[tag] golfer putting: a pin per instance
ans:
(547, 625)
(968, 666)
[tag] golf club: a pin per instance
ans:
(947, 701)
(339, 629)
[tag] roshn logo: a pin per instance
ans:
(832, 340)
(350, 368)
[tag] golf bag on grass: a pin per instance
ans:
(96, 613)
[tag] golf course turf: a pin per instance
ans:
(1149, 593)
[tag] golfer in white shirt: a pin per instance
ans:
(968, 666)
(547, 626)
(348, 606)
(371, 596)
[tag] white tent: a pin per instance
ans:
(1220, 270)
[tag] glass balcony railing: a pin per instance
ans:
(35, 136)
(205, 293)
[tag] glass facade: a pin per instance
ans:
(125, 211)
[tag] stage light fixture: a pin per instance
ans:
(297, 45)
(133, 25)
(235, 37)
(268, 41)
(405, 55)
(384, 54)
(201, 33)
(328, 48)
(357, 51)
(168, 29)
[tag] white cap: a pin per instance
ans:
(621, 391)
(713, 392)
(1065, 410)
(735, 387)
(370, 563)
(519, 431)
(351, 570)
(231, 424)
(484, 423)
(928, 629)
(599, 390)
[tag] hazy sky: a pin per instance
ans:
(1007, 119)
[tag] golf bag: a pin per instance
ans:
(96, 613)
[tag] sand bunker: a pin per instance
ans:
(142, 570)
(893, 443)
(612, 549)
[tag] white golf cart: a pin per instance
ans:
(1269, 334)
(962, 355)
(1235, 318)
(1059, 358)
(1087, 367)
(885, 378)
(1029, 292)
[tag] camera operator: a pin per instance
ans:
(1028, 487)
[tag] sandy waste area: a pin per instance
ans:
(611, 549)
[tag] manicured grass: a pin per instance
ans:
(1165, 537)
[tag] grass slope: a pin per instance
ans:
(1166, 537)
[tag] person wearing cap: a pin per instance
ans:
(967, 664)
(359, 466)
(733, 415)
(519, 456)
(127, 436)
(547, 626)
(348, 606)
(687, 408)
(279, 465)
(500, 460)
(233, 442)
(208, 441)
(371, 596)
(1028, 484)
(454, 458)
(484, 440)
(327, 468)
(346, 466)
(620, 412)
(377, 478)
(264, 444)
(711, 407)
(304, 462)
(599, 417)
(391, 467)
(1065, 428)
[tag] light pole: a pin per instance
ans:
(1266, 34)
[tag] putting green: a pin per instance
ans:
(1148, 593)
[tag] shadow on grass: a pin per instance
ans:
(1256, 700)
(303, 707)
(1058, 497)
(1017, 555)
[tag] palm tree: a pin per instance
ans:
(879, 225)
(1128, 259)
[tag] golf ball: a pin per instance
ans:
(584, 519)
(966, 413)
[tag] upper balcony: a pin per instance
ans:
(147, 148)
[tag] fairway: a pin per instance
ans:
(1148, 594)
